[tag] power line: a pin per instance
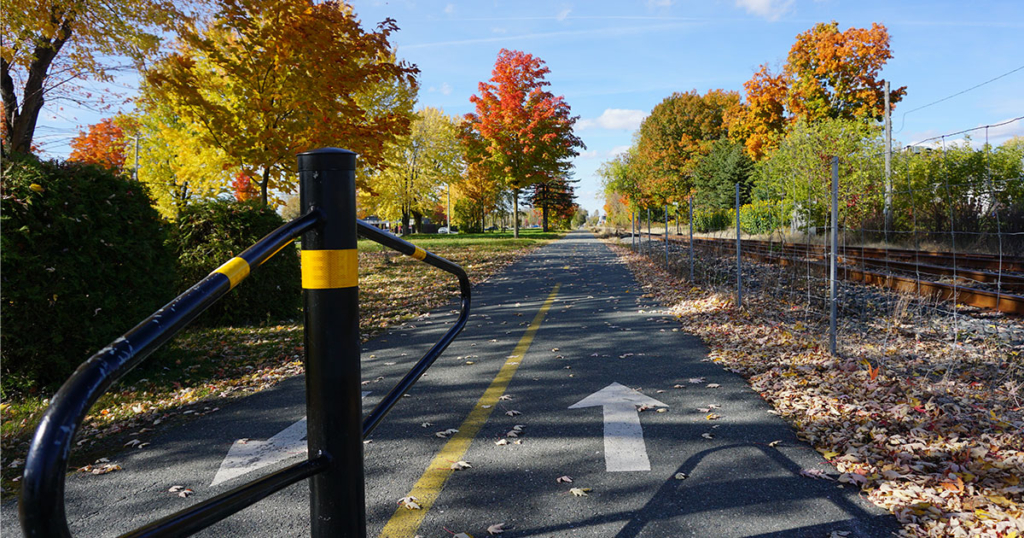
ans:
(1007, 122)
(904, 118)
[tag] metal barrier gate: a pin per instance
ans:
(335, 426)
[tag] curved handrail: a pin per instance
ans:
(41, 507)
(394, 242)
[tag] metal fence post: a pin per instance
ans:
(330, 282)
(739, 253)
(691, 238)
(632, 230)
(832, 256)
(666, 237)
(648, 231)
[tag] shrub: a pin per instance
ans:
(711, 220)
(207, 234)
(764, 216)
(84, 261)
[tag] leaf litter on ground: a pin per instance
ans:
(927, 428)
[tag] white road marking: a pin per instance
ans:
(624, 447)
(246, 456)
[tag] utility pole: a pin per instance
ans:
(136, 171)
(888, 165)
(448, 215)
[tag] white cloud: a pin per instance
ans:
(651, 4)
(617, 150)
(615, 119)
(445, 89)
(562, 15)
(449, 9)
(768, 9)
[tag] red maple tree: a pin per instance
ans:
(521, 130)
(104, 145)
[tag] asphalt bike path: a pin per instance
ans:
(564, 370)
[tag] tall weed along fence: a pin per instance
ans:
(900, 261)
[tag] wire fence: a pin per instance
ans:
(930, 253)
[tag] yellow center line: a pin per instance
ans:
(404, 523)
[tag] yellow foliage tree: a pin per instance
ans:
(267, 79)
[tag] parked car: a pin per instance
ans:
(491, 229)
(445, 230)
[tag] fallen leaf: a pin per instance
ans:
(512, 413)
(579, 492)
(410, 503)
(501, 442)
(565, 478)
(816, 474)
(461, 465)
(496, 529)
(713, 385)
(681, 476)
(185, 493)
(774, 444)
(707, 436)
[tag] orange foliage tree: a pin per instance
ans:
(104, 144)
(678, 132)
(833, 74)
(523, 132)
(244, 187)
(828, 75)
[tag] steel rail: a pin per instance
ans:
(1008, 303)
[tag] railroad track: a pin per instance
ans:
(981, 280)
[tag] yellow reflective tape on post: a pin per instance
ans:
(419, 254)
(330, 269)
(236, 269)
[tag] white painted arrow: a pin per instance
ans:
(624, 448)
(246, 456)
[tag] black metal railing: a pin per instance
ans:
(333, 404)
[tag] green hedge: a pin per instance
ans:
(764, 217)
(712, 220)
(84, 261)
(207, 234)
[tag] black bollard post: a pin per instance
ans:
(330, 283)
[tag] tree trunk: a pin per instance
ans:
(418, 219)
(20, 127)
(265, 185)
(405, 222)
(544, 211)
(515, 212)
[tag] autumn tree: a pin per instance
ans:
(525, 130)
(104, 144)
(476, 195)
(828, 75)
(174, 161)
(833, 74)
(556, 195)
(763, 117)
(416, 167)
(49, 47)
(244, 187)
(673, 138)
(266, 79)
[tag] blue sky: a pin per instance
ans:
(615, 60)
